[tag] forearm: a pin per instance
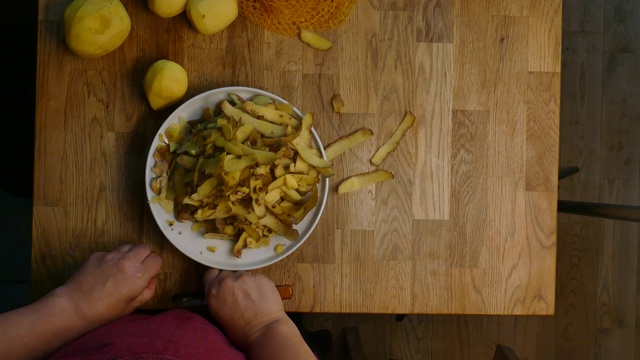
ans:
(39, 329)
(279, 340)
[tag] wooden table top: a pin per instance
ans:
(467, 226)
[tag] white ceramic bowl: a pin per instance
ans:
(193, 244)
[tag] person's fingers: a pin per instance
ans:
(152, 264)
(260, 278)
(139, 252)
(123, 248)
(147, 293)
(239, 274)
(152, 283)
(209, 277)
(215, 282)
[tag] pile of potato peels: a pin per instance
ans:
(248, 170)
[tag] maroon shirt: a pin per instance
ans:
(172, 335)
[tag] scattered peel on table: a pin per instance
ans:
(394, 140)
(357, 182)
(338, 104)
(236, 178)
(315, 40)
(345, 143)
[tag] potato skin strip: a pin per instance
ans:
(360, 181)
(393, 142)
(308, 155)
(263, 127)
(345, 143)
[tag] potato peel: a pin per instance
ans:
(360, 181)
(314, 40)
(345, 143)
(338, 104)
(393, 142)
(229, 172)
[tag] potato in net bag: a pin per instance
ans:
(287, 17)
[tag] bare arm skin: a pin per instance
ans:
(249, 309)
(106, 287)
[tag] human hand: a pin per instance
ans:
(244, 305)
(113, 284)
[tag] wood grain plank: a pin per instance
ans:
(543, 127)
(469, 337)
(583, 15)
(202, 79)
(376, 330)
(467, 291)
(42, 280)
(534, 337)
(432, 183)
(356, 84)
(508, 261)
(618, 261)
(620, 109)
(355, 253)
(246, 58)
(510, 8)
(411, 338)
(315, 280)
(577, 278)
(469, 182)
(621, 27)
(127, 225)
(545, 36)
(581, 111)
(50, 104)
(282, 53)
(434, 21)
(391, 288)
(397, 96)
(539, 298)
(395, 5)
(470, 49)
(507, 106)
(614, 344)
(432, 287)
(581, 77)
(286, 84)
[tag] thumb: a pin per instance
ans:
(147, 293)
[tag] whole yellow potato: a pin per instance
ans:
(165, 83)
(93, 28)
(211, 16)
(167, 8)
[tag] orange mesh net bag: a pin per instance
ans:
(287, 17)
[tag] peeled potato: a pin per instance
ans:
(93, 28)
(314, 40)
(211, 16)
(165, 84)
(167, 8)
